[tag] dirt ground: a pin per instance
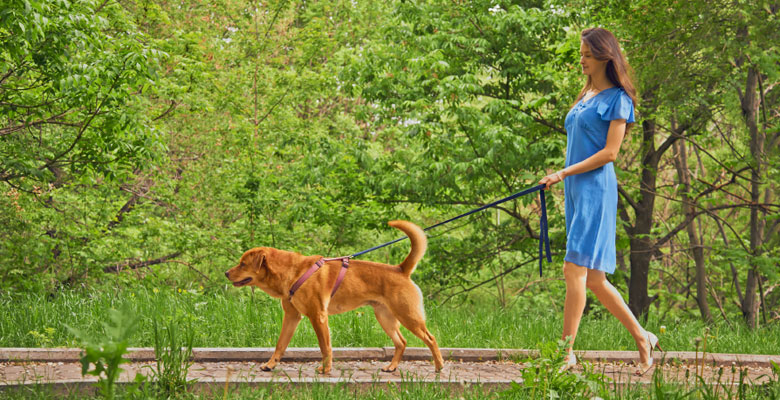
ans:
(358, 372)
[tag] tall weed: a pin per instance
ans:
(173, 353)
(543, 378)
(105, 352)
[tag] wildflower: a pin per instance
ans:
(662, 329)
(155, 290)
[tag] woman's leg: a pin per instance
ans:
(574, 305)
(611, 299)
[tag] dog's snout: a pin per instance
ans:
(227, 274)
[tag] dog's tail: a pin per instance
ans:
(419, 244)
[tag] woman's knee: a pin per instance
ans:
(595, 282)
(574, 271)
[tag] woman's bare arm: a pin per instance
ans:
(615, 135)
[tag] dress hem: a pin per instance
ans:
(586, 262)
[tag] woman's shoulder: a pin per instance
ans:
(618, 92)
(617, 105)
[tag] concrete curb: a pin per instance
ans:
(261, 354)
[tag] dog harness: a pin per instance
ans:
(316, 266)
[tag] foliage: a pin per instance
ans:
(693, 65)
(69, 78)
(189, 134)
(43, 339)
(105, 352)
(450, 90)
(543, 378)
(71, 118)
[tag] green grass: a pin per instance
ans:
(240, 318)
(659, 389)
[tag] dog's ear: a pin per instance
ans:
(256, 259)
(260, 261)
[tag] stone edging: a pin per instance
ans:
(261, 354)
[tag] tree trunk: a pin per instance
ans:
(642, 246)
(749, 102)
(681, 164)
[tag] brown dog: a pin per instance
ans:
(387, 288)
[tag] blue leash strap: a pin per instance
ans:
(544, 240)
(543, 236)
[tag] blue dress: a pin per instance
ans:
(591, 198)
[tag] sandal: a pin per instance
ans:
(571, 361)
(653, 341)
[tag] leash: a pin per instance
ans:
(544, 240)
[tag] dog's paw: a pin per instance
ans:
(323, 370)
(388, 369)
(267, 367)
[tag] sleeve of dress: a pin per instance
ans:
(619, 106)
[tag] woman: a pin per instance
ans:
(595, 127)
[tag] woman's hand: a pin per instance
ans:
(552, 179)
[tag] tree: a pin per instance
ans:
(466, 99)
(756, 61)
(69, 78)
(685, 83)
(70, 117)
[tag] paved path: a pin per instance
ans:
(59, 367)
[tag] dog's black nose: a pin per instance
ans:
(227, 274)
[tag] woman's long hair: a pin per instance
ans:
(604, 47)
